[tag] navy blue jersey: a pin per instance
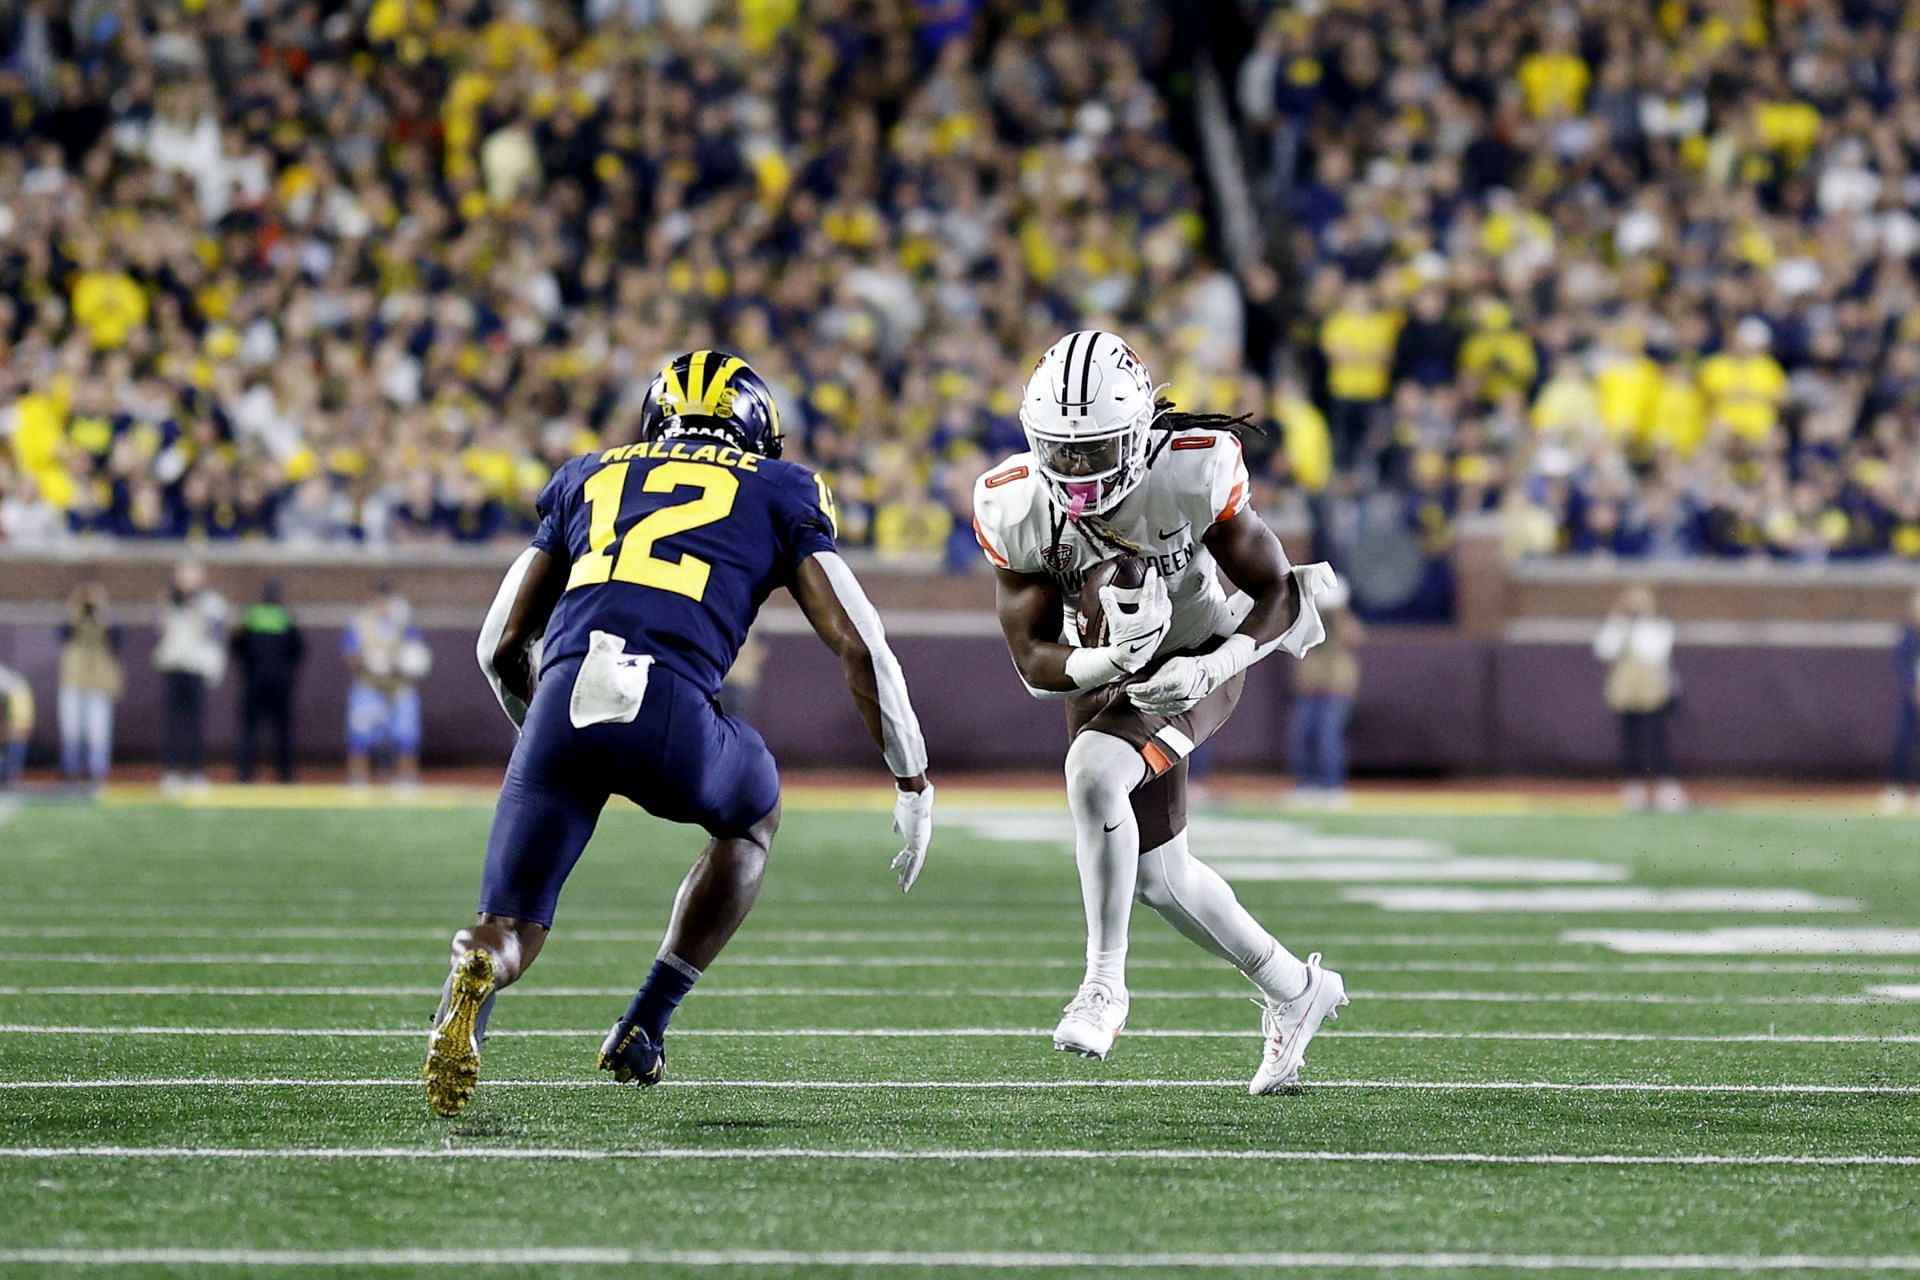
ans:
(674, 545)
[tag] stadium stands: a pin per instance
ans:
(1639, 277)
(371, 278)
(1638, 281)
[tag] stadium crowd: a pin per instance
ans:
(1638, 279)
(370, 271)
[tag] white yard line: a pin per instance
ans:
(1756, 940)
(957, 1260)
(905, 1086)
(1884, 994)
(1615, 900)
(354, 960)
(1016, 933)
(966, 1260)
(954, 1154)
(932, 1033)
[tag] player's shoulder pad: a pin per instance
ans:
(1209, 470)
(1007, 494)
(1005, 500)
(803, 491)
(565, 477)
(788, 475)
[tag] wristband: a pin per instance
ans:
(1091, 668)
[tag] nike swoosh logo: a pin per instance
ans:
(1115, 827)
(1169, 537)
(1138, 645)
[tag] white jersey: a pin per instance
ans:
(1199, 479)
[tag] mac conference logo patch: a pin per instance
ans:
(1058, 557)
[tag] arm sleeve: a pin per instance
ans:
(902, 744)
(494, 627)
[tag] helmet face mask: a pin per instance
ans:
(1086, 412)
(1088, 475)
(713, 395)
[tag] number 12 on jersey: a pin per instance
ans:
(635, 560)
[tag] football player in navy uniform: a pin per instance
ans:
(650, 563)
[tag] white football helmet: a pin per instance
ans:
(1086, 412)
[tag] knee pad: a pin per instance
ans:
(1100, 766)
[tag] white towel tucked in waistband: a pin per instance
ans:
(610, 684)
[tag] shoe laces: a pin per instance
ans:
(1090, 1002)
(1271, 1012)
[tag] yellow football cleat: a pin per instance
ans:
(453, 1050)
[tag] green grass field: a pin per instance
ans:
(211, 1022)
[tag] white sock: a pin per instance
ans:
(1281, 977)
(1101, 774)
(1108, 968)
(1191, 896)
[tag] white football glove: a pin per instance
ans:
(913, 823)
(1183, 681)
(1177, 685)
(1137, 620)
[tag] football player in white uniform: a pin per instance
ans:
(1113, 471)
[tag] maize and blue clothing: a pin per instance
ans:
(383, 705)
(672, 546)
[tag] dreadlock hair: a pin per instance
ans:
(1170, 422)
(1167, 418)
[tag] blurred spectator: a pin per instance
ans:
(91, 681)
(16, 724)
(1906, 734)
(1636, 643)
(1676, 246)
(366, 273)
(1325, 684)
(388, 656)
(1357, 341)
(191, 656)
(268, 647)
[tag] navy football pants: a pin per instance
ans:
(681, 759)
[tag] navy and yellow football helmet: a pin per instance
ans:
(714, 394)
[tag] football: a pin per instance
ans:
(1129, 572)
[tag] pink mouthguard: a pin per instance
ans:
(1078, 496)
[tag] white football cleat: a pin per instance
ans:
(1091, 1022)
(1291, 1026)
